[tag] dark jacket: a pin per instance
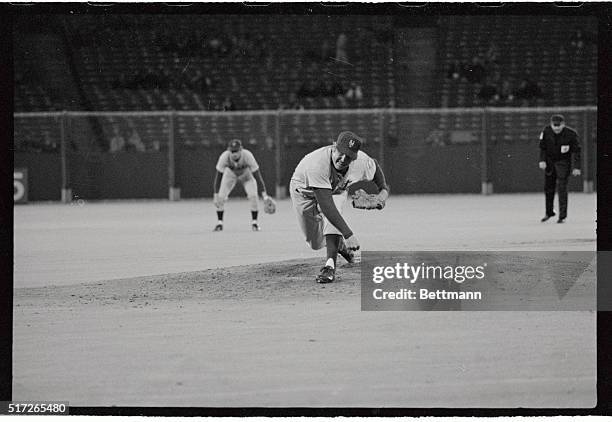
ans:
(561, 147)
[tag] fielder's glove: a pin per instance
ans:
(269, 205)
(366, 201)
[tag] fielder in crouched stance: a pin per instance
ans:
(237, 164)
(318, 190)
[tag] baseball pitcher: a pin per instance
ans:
(319, 194)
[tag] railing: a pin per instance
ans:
(421, 150)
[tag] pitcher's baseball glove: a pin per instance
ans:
(269, 205)
(367, 201)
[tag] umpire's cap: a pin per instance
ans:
(348, 143)
(235, 145)
(557, 119)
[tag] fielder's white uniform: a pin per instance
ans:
(316, 170)
(233, 171)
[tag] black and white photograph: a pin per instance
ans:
(305, 206)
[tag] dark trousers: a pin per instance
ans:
(555, 177)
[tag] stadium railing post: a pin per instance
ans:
(66, 195)
(174, 192)
(280, 189)
(381, 134)
(486, 183)
(587, 181)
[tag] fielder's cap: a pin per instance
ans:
(348, 143)
(557, 119)
(235, 145)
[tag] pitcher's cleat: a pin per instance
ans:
(327, 275)
(561, 220)
(255, 227)
(218, 228)
(346, 253)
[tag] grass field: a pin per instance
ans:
(141, 304)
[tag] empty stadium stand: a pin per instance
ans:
(537, 46)
(148, 62)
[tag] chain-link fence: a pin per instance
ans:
(107, 155)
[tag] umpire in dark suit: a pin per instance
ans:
(559, 156)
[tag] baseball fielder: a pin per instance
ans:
(319, 194)
(237, 164)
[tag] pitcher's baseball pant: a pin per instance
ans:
(313, 223)
(228, 182)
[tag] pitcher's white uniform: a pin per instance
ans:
(242, 171)
(316, 170)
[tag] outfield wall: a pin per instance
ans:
(132, 175)
(421, 150)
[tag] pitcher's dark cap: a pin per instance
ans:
(348, 143)
(235, 145)
(557, 119)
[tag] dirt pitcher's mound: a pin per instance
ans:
(272, 282)
(536, 277)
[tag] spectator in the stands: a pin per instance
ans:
(235, 85)
(354, 92)
(488, 91)
(212, 104)
(454, 70)
(323, 88)
(269, 61)
(165, 78)
(117, 142)
(528, 89)
(134, 82)
(216, 46)
(341, 47)
(326, 51)
(310, 55)
(214, 43)
(305, 90)
(294, 103)
(238, 47)
(492, 55)
(577, 39)
(120, 82)
(134, 142)
(476, 71)
(358, 93)
(228, 104)
(48, 144)
(337, 90)
(197, 82)
(589, 37)
(350, 92)
(504, 92)
(149, 80)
